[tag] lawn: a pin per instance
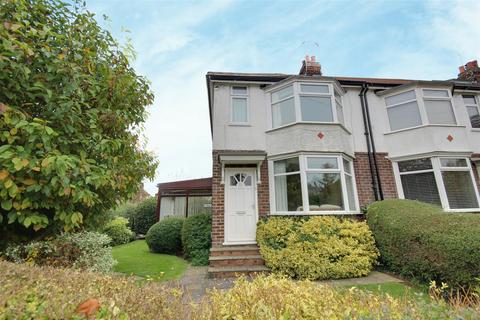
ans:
(396, 290)
(135, 258)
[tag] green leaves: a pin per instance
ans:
(71, 109)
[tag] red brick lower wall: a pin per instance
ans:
(364, 178)
(218, 196)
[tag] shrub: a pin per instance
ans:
(144, 216)
(165, 236)
(419, 240)
(119, 232)
(197, 239)
(317, 247)
(48, 293)
(83, 250)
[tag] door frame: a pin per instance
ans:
(227, 172)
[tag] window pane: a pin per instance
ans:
(404, 116)
(287, 165)
(346, 166)
(469, 100)
(198, 205)
(460, 191)
(239, 110)
(421, 187)
(324, 191)
(316, 109)
(415, 165)
(474, 116)
(283, 113)
(239, 90)
(440, 112)
(351, 196)
(447, 162)
(340, 113)
(314, 88)
(288, 193)
(282, 94)
(399, 98)
(435, 93)
(322, 163)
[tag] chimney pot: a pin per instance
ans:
(313, 59)
(461, 69)
(472, 64)
(470, 72)
(310, 67)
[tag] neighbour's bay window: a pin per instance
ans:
(312, 184)
(418, 107)
(473, 109)
(444, 181)
(306, 102)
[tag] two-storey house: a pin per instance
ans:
(310, 144)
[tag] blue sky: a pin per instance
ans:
(177, 42)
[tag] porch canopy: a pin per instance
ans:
(184, 198)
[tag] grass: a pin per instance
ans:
(395, 289)
(135, 258)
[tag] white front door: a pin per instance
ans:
(240, 205)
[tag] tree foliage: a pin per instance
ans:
(71, 110)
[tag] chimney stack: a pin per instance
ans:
(470, 72)
(310, 67)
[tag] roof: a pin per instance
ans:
(193, 184)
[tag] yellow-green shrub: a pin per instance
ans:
(317, 247)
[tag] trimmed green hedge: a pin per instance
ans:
(118, 230)
(319, 247)
(144, 216)
(165, 236)
(196, 238)
(421, 241)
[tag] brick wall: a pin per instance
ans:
(218, 196)
(364, 178)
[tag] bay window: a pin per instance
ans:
(444, 181)
(312, 184)
(416, 107)
(473, 109)
(306, 102)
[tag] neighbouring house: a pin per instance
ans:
(184, 198)
(310, 144)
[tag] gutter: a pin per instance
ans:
(371, 151)
(208, 79)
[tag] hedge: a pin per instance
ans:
(165, 236)
(421, 241)
(144, 216)
(317, 247)
(196, 238)
(118, 230)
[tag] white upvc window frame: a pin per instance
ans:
(420, 98)
(476, 105)
(437, 169)
(297, 93)
(245, 96)
(303, 164)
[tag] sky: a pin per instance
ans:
(178, 42)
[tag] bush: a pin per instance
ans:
(48, 293)
(165, 236)
(197, 239)
(119, 232)
(83, 250)
(419, 240)
(317, 247)
(144, 216)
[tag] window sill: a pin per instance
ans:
(425, 126)
(474, 210)
(316, 213)
(239, 124)
(310, 123)
(475, 129)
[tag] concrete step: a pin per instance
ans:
(235, 271)
(246, 260)
(234, 251)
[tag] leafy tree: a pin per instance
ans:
(71, 110)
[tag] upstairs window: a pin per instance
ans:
(239, 105)
(438, 105)
(473, 110)
(416, 107)
(306, 102)
(403, 111)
